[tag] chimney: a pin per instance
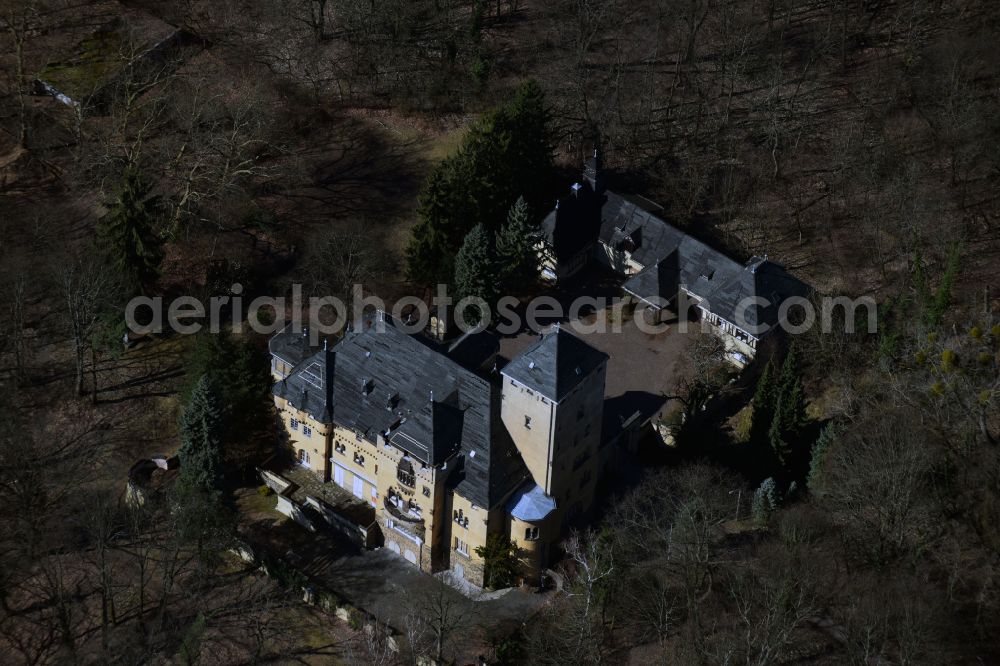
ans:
(593, 172)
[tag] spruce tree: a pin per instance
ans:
(128, 232)
(506, 154)
(776, 435)
(790, 371)
(764, 502)
(241, 379)
(792, 413)
(763, 404)
(820, 451)
(500, 561)
(516, 249)
(475, 270)
(201, 446)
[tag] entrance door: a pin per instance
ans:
(459, 571)
(338, 475)
(359, 488)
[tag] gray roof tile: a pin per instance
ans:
(383, 380)
(554, 365)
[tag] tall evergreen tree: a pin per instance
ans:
(517, 253)
(475, 270)
(792, 411)
(201, 445)
(241, 378)
(791, 414)
(199, 514)
(128, 233)
(763, 403)
(506, 154)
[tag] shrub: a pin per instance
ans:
(948, 360)
(985, 358)
(921, 357)
(264, 490)
(937, 388)
(976, 332)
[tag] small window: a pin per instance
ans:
(307, 431)
(359, 459)
(531, 534)
(427, 491)
(294, 424)
(303, 457)
(527, 422)
(461, 546)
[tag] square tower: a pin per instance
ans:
(552, 406)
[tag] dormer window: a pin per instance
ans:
(531, 534)
(367, 386)
(392, 401)
(527, 422)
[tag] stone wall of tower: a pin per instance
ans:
(559, 442)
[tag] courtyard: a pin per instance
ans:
(644, 369)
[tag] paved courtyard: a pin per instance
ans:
(643, 369)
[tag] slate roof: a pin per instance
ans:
(291, 344)
(572, 226)
(554, 365)
(530, 503)
(719, 281)
(475, 350)
(762, 279)
(385, 381)
(657, 283)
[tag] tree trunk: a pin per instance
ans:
(93, 373)
(80, 363)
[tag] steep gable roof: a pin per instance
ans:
(657, 284)
(572, 226)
